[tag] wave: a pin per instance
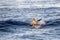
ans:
(20, 23)
(25, 23)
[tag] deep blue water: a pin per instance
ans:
(14, 23)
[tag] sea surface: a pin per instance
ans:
(14, 23)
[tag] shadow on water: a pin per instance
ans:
(7, 25)
(52, 23)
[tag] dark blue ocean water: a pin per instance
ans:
(14, 23)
